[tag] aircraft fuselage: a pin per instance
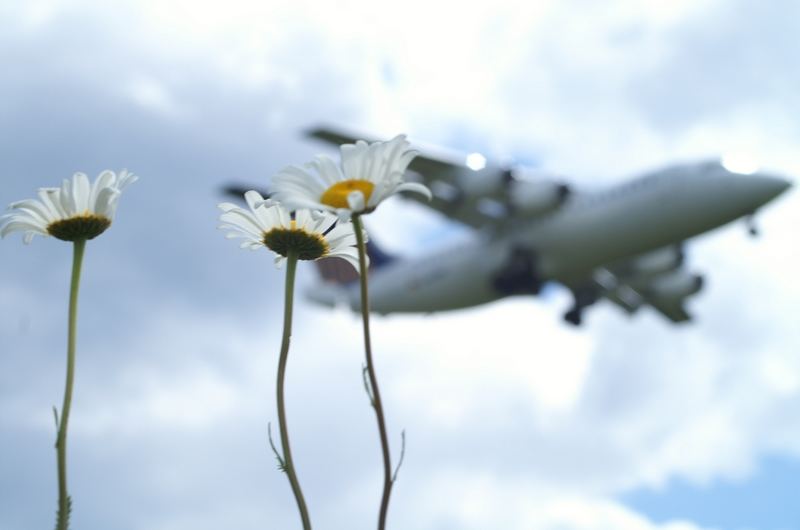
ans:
(589, 230)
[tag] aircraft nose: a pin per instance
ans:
(764, 187)
(774, 185)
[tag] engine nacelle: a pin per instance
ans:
(654, 263)
(675, 285)
(485, 182)
(518, 192)
(536, 197)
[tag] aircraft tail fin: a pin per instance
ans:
(378, 257)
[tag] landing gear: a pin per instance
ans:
(750, 221)
(519, 275)
(584, 297)
(574, 316)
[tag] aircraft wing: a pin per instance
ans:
(657, 279)
(478, 194)
(441, 166)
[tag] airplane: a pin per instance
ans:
(624, 243)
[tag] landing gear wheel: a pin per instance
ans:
(519, 275)
(574, 317)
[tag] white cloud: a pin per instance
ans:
(152, 95)
(515, 353)
(478, 501)
(510, 416)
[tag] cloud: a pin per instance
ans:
(512, 419)
(477, 501)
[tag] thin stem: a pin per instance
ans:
(291, 267)
(64, 501)
(373, 379)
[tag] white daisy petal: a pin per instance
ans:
(253, 198)
(341, 231)
(125, 179)
(355, 200)
(344, 214)
(381, 190)
(106, 179)
(264, 202)
(284, 216)
(361, 155)
(415, 187)
(273, 215)
(369, 173)
(227, 206)
(327, 170)
(351, 160)
(243, 220)
(322, 224)
(295, 172)
(49, 198)
(311, 205)
(67, 198)
(351, 256)
(76, 200)
(405, 160)
(35, 209)
(254, 226)
(81, 190)
(373, 164)
(106, 203)
(304, 220)
(22, 225)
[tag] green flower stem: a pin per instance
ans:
(375, 394)
(64, 501)
(288, 463)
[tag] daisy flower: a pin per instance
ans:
(292, 236)
(268, 224)
(75, 211)
(369, 174)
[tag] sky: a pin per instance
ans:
(513, 420)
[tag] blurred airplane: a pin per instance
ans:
(624, 243)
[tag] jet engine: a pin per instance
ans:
(511, 191)
(484, 182)
(675, 285)
(536, 197)
(655, 263)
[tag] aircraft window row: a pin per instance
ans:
(623, 190)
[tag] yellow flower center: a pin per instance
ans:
(86, 226)
(308, 246)
(336, 195)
